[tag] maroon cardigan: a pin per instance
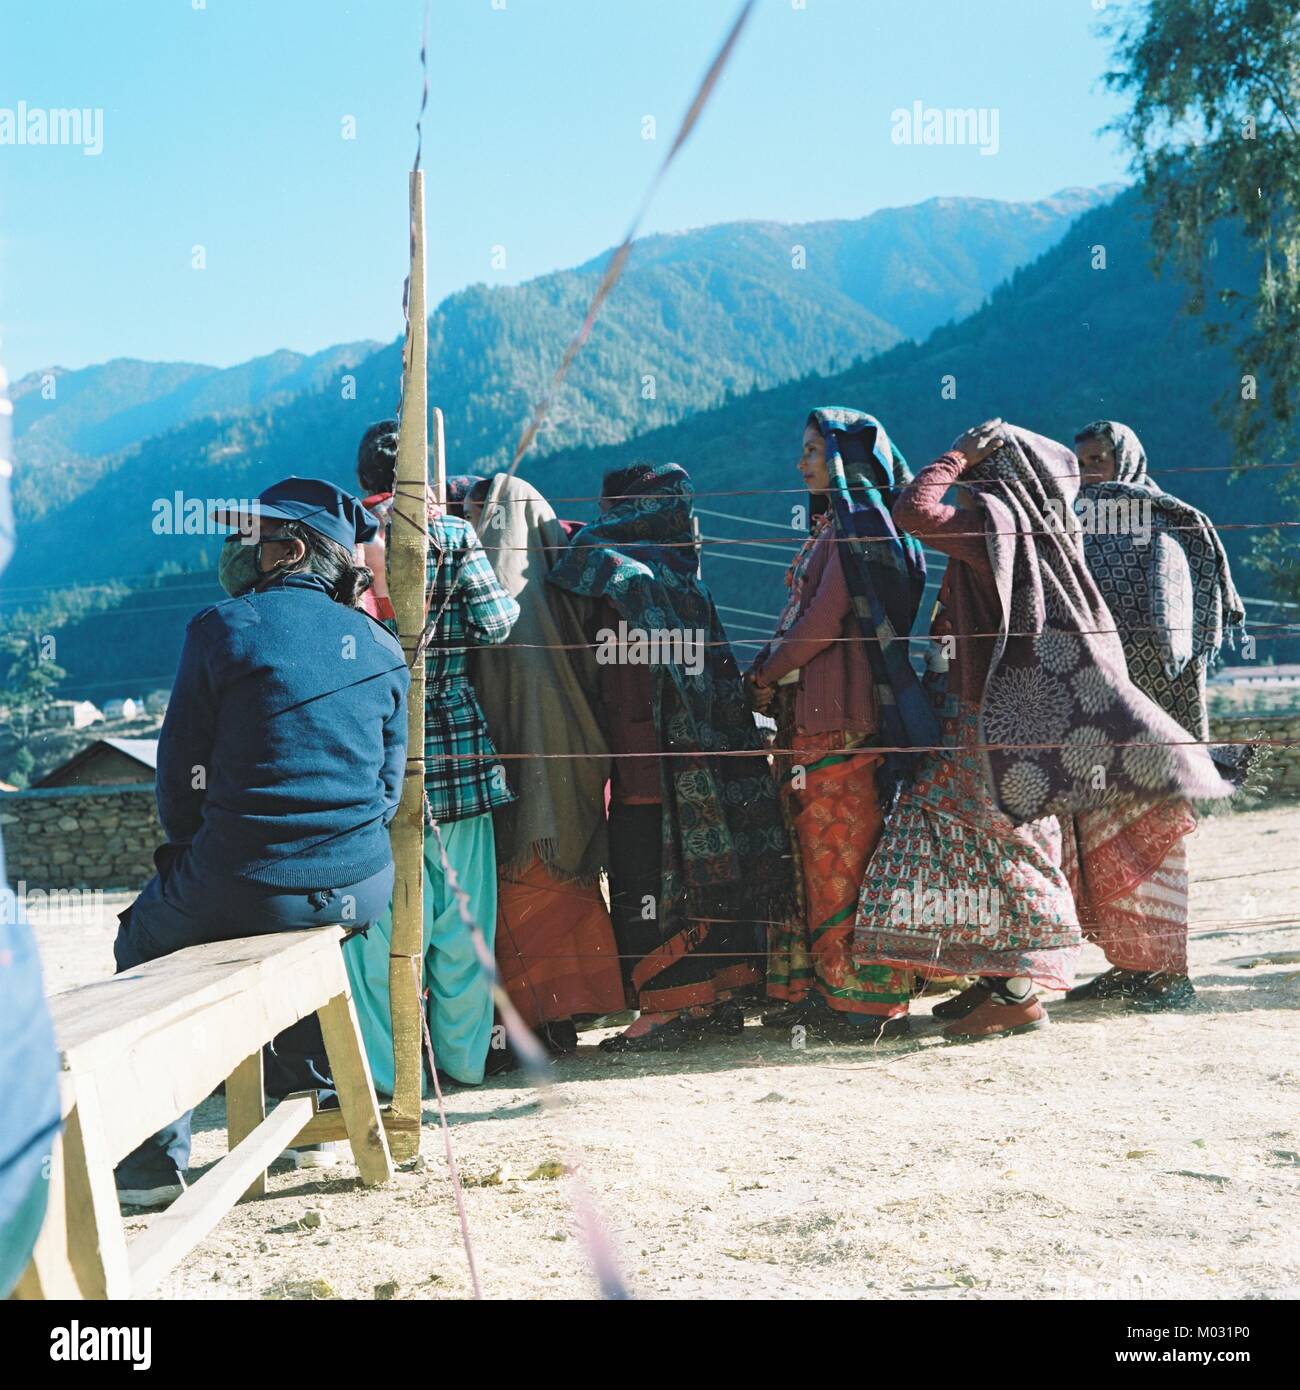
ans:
(836, 691)
(967, 594)
(627, 714)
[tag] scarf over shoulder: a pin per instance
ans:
(725, 842)
(885, 573)
(1168, 584)
(538, 694)
(1058, 689)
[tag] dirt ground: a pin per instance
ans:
(1113, 1155)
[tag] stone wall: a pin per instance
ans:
(80, 837)
(104, 837)
(1278, 774)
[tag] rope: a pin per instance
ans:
(422, 995)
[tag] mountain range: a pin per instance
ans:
(699, 316)
(1051, 343)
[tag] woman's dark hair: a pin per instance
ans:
(377, 457)
(332, 562)
(619, 482)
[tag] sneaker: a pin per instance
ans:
(314, 1155)
(962, 1004)
(151, 1198)
(993, 1017)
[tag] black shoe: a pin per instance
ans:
(499, 1061)
(726, 1018)
(673, 1036)
(951, 1010)
(1162, 991)
(560, 1038)
(831, 1027)
(787, 1015)
(1113, 984)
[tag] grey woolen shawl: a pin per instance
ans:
(538, 693)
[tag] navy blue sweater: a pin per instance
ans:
(281, 757)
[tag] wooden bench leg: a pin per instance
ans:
(96, 1239)
(356, 1089)
(246, 1109)
(49, 1273)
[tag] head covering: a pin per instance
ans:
(1058, 674)
(1130, 456)
(725, 843)
(1170, 590)
(885, 573)
(326, 509)
(538, 697)
(459, 488)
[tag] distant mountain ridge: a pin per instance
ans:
(70, 424)
(700, 315)
(675, 317)
(1060, 344)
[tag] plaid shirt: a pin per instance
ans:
(478, 613)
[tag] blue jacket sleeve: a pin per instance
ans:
(187, 737)
(394, 768)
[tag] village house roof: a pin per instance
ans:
(106, 760)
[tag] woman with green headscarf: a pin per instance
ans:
(834, 676)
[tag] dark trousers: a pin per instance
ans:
(635, 868)
(186, 905)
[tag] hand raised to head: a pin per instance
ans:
(978, 443)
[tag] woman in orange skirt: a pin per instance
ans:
(816, 679)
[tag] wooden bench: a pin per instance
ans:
(140, 1049)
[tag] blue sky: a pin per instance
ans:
(222, 127)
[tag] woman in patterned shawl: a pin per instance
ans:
(819, 677)
(698, 848)
(1163, 572)
(1040, 721)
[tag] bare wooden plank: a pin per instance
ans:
(49, 1274)
(166, 1071)
(246, 1109)
(96, 1240)
(176, 1231)
(356, 1089)
(114, 1011)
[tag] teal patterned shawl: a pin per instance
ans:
(885, 572)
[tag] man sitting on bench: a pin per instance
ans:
(280, 765)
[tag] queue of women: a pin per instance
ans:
(620, 826)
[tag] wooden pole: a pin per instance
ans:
(407, 556)
(439, 459)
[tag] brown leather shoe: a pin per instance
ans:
(950, 1010)
(992, 1018)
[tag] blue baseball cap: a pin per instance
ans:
(327, 509)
